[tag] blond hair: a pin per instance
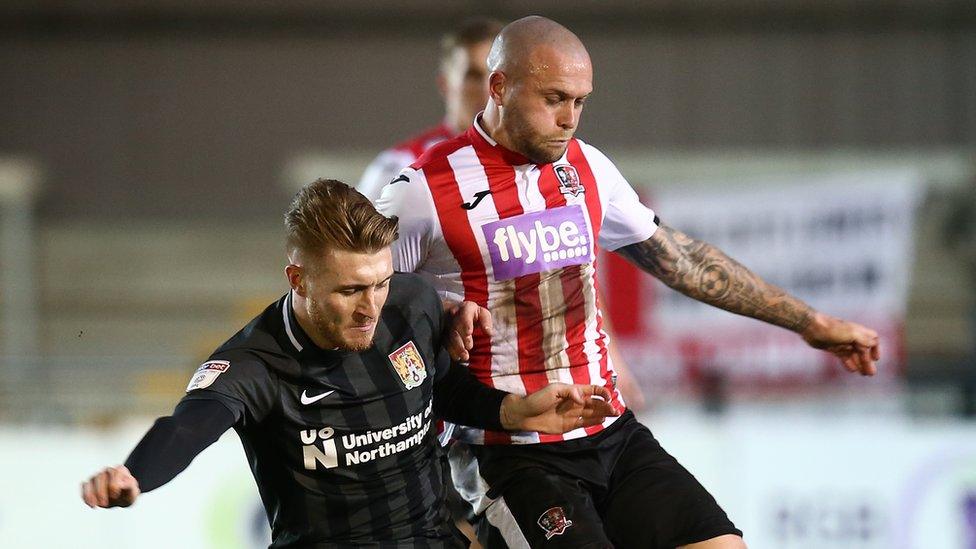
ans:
(328, 214)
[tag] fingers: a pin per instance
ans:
(866, 357)
(596, 413)
(857, 359)
(575, 393)
(484, 320)
(598, 409)
(455, 347)
(464, 326)
(602, 392)
(116, 483)
(101, 488)
(466, 316)
(88, 494)
(594, 391)
(111, 487)
(565, 395)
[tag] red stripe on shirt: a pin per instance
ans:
(574, 317)
(461, 240)
(595, 209)
(528, 306)
(572, 285)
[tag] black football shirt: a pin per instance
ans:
(343, 444)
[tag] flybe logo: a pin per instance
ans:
(539, 241)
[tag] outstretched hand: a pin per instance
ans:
(462, 319)
(112, 487)
(857, 347)
(557, 408)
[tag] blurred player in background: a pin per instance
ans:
(332, 390)
(510, 215)
(463, 84)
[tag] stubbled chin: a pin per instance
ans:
(359, 343)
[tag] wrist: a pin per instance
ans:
(814, 326)
(508, 414)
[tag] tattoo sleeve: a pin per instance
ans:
(702, 272)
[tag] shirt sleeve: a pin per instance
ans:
(381, 171)
(460, 398)
(238, 380)
(409, 199)
(626, 220)
(173, 441)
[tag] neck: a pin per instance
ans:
(299, 305)
(491, 122)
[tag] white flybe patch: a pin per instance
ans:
(207, 373)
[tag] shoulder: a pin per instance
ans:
(258, 335)
(593, 154)
(607, 174)
(417, 144)
(411, 291)
(256, 350)
(392, 160)
(413, 298)
(229, 368)
(435, 157)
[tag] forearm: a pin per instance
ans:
(460, 398)
(703, 272)
(172, 442)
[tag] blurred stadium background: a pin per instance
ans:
(148, 149)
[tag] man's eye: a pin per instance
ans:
(552, 99)
(348, 292)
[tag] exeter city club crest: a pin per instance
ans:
(569, 181)
(409, 365)
(554, 522)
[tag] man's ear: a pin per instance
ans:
(496, 87)
(296, 278)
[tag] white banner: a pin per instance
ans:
(789, 480)
(841, 242)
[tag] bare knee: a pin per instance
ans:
(728, 541)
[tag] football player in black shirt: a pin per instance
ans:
(333, 390)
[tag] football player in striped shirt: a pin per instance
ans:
(463, 84)
(509, 215)
(333, 390)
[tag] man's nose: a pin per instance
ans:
(567, 116)
(368, 305)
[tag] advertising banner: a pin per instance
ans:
(841, 242)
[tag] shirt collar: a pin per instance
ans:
(297, 338)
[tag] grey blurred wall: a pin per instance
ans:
(170, 109)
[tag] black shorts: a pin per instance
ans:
(618, 488)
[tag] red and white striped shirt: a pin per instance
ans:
(484, 224)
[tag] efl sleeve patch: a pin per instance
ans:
(207, 373)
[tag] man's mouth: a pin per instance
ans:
(363, 327)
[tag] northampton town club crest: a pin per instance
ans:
(554, 522)
(409, 364)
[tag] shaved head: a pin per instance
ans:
(533, 43)
(540, 77)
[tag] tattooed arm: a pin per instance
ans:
(702, 272)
